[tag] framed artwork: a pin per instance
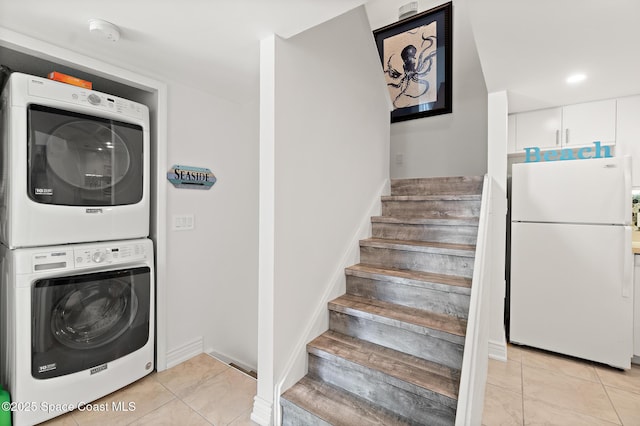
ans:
(416, 61)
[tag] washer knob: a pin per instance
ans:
(94, 99)
(99, 256)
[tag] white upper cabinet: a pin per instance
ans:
(583, 124)
(566, 127)
(538, 128)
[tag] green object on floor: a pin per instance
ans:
(5, 408)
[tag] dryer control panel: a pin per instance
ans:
(61, 92)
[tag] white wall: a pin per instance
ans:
(325, 121)
(331, 161)
(212, 270)
(450, 144)
(497, 169)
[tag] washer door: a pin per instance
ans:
(83, 321)
(93, 315)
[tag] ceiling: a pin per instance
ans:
(209, 44)
(526, 47)
(530, 47)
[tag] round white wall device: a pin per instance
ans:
(106, 29)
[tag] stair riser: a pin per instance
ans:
(293, 415)
(432, 347)
(448, 185)
(414, 407)
(417, 261)
(443, 302)
(431, 208)
(434, 233)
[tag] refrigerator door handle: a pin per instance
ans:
(627, 283)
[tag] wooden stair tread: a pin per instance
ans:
(466, 250)
(371, 308)
(409, 277)
(407, 368)
(336, 406)
(442, 221)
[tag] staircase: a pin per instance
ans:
(393, 352)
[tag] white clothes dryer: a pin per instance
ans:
(75, 165)
(77, 324)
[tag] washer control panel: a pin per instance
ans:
(93, 256)
(87, 256)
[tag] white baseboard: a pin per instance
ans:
(498, 350)
(261, 413)
(185, 352)
(635, 359)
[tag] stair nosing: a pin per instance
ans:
(418, 279)
(438, 197)
(460, 178)
(291, 397)
(445, 374)
(403, 317)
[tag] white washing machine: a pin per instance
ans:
(77, 324)
(75, 165)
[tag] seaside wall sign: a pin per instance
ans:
(191, 177)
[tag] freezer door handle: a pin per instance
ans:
(627, 283)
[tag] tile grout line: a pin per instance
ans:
(577, 361)
(154, 376)
(575, 411)
(184, 402)
(612, 404)
(239, 415)
(179, 399)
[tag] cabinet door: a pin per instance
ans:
(628, 137)
(538, 129)
(584, 124)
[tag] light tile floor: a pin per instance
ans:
(539, 388)
(532, 388)
(201, 391)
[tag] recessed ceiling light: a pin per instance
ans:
(576, 78)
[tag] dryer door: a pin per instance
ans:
(81, 160)
(83, 321)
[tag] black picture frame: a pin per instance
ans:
(416, 56)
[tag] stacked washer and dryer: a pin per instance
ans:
(77, 284)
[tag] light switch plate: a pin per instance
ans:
(183, 222)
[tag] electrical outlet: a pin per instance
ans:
(183, 222)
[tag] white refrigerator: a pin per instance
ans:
(571, 287)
